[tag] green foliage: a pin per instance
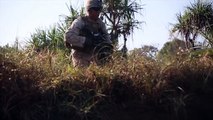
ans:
(171, 50)
(119, 15)
(203, 53)
(196, 20)
(145, 51)
(51, 39)
(74, 13)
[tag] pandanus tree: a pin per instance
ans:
(196, 20)
(202, 19)
(120, 17)
(53, 37)
(184, 28)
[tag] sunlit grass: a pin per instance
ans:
(37, 85)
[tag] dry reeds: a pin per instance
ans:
(42, 86)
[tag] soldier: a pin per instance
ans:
(77, 38)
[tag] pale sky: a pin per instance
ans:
(20, 18)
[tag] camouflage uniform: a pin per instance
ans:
(73, 37)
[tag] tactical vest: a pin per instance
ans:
(102, 51)
(94, 28)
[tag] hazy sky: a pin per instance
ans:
(20, 18)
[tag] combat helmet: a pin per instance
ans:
(93, 4)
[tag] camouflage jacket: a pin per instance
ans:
(75, 38)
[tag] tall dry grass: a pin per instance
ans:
(44, 86)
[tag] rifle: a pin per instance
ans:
(96, 38)
(102, 50)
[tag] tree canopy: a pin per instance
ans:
(196, 20)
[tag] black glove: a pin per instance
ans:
(88, 43)
(67, 45)
(97, 40)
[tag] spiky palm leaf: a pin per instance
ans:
(120, 17)
(183, 27)
(197, 19)
(74, 13)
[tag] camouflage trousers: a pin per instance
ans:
(81, 59)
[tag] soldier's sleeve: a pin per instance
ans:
(72, 36)
(105, 33)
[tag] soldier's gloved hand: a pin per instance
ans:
(88, 43)
(67, 45)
